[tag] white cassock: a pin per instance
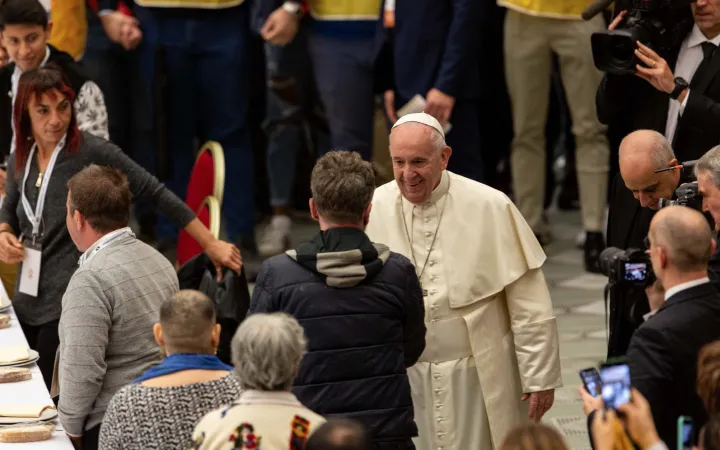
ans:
(491, 331)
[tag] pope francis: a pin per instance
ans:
(491, 340)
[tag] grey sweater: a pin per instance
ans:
(106, 328)
(59, 255)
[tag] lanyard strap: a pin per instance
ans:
(108, 239)
(35, 217)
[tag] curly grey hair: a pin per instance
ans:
(267, 350)
(710, 163)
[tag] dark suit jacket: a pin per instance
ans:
(628, 225)
(434, 45)
(663, 356)
(627, 103)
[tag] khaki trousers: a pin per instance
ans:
(529, 44)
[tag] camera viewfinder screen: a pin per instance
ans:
(616, 385)
(635, 271)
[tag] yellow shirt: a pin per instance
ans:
(345, 9)
(69, 31)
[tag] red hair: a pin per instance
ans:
(33, 84)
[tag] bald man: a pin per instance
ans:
(663, 351)
(491, 336)
(637, 191)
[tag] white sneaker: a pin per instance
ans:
(276, 237)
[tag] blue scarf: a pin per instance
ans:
(184, 361)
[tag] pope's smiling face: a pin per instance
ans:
(419, 157)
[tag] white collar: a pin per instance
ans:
(697, 37)
(102, 243)
(253, 397)
(683, 286)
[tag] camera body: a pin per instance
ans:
(627, 267)
(656, 23)
(687, 195)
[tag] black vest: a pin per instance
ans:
(73, 71)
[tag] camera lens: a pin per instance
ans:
(607, 258)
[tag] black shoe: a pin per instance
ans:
(594, 245)
(250, 257)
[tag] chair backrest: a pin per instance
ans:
(209, 214)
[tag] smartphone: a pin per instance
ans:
(616, 385)
(685, 435)
(591, 379)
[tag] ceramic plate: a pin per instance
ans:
(34, 356)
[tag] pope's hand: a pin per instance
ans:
(540, 403)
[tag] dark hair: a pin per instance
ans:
(33, 84)
(102, 195)
(339, 434)
(342, 186)
(22, 12)
(185, 318)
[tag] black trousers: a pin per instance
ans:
(91, 438)
(43, 339)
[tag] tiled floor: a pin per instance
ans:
(578, 302)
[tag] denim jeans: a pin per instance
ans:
(294, 115)
(344, 77)
(207, 61)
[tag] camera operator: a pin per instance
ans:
(707, 172)
(673, 90)
(637, 192)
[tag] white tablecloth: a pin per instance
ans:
(28, 392)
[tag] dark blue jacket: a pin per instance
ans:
(435, 44)
(364, 320)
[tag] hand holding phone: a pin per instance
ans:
(616, 385)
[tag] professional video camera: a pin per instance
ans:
(655, 23)
(629, 267)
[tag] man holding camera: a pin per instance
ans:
(635, 198)
(673, 90)
(707, 172)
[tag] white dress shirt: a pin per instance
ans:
(689, 58)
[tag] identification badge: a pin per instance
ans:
(30, 275)
(389, 14)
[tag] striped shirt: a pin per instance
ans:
(106, 327)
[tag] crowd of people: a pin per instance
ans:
(418, 316)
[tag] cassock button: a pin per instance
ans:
(426, 205)
(428, 248)
(440, 448)
(433, 307)
(432, 263)
(438, 391)
(440, 420)
(433, 278)
(438, 405)
(427, 220)
(437, 376)
(428, 233)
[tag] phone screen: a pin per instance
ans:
(591, 379)
(685, 433)
(615, 385)
(635, 271)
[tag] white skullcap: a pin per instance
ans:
(423, 118)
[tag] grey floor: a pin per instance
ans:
(578, 303)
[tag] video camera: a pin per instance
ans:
(656, 23)
(687, 195)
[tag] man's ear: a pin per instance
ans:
(158, 333)
(313, 210)
(673, 162)
(366, 214)
(79, 220)
(48, 30)
(215, 336)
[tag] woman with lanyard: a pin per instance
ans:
(50, 149)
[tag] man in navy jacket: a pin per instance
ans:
(360, 304)
(433, 52)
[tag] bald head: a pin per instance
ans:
(187, 320)
(646, 148)
(685, 236)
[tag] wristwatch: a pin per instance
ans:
(291, 7)
(680, 85)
